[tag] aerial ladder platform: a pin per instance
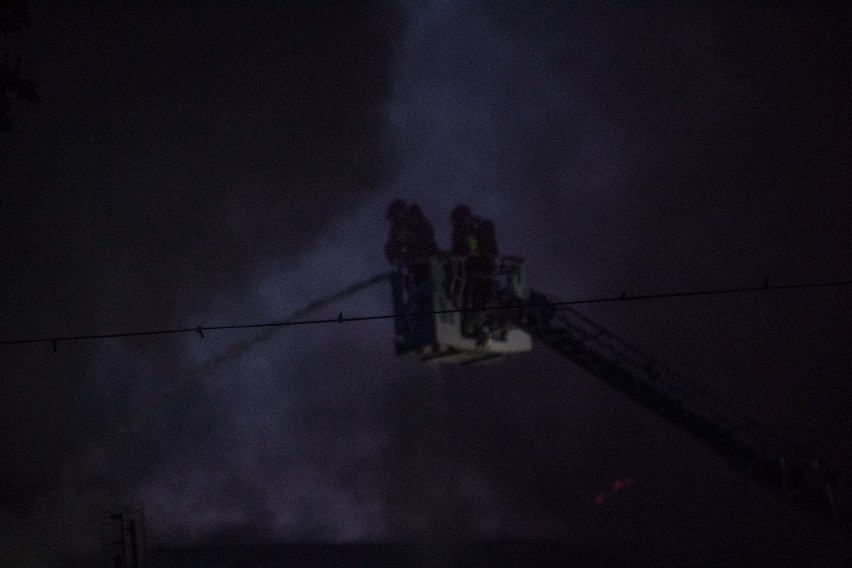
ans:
(428, 327)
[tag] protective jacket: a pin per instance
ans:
(412, 238)
(475, 241)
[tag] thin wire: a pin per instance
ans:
(341, 319)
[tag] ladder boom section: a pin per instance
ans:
(745, 444)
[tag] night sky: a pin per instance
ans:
(194, 163)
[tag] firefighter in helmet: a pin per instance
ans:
(411, 240)
(474, 240)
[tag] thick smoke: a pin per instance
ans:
(179, 154)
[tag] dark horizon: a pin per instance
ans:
(410, 554)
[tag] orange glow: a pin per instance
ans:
(622, 483)
(617, 485)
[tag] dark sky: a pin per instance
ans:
(190, 164)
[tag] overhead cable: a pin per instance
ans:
(340, 318)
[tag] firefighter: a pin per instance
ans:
(411, 240)
(473, 239)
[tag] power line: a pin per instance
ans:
(623, 297)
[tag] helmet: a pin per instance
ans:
(460, 215)
(396, 209)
